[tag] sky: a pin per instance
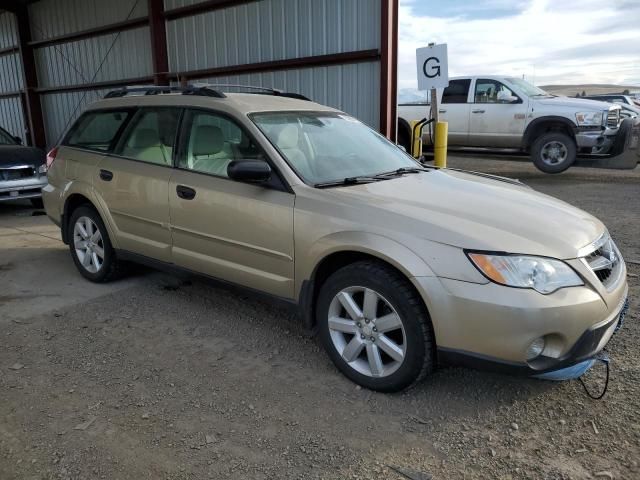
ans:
(547, 41)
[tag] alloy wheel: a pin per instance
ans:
(367, 332)
(88, 244)
(554, 153)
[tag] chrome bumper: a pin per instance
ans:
(24, 188)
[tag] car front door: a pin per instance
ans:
(238, 232)
(498, 115)
(454, 109)
(134, 182)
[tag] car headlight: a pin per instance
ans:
(42, 168)
(544, 275)
(589, 118)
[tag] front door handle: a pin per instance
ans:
(106, 175)
(442, 111)
(477, 111)
(185, 193)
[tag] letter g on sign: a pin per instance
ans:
(431, 67)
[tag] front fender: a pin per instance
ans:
(379, 246)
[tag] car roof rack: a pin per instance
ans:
(258, 90)
(204, 91)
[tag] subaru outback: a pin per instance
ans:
(398, 267)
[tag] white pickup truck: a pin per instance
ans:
(497, 112)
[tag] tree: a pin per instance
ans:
(578, 95)
(584, 94)
(626, 92)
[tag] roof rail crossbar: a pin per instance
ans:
(160, 89)
(259, 90)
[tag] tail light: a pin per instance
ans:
(51, 156)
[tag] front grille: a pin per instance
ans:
(613, 118)
(7, 174)
(604, 260)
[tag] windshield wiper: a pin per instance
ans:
(350, 181)
(401, 171)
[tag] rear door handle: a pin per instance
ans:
(106, 175)
(442, 111)
(477, 111)
(185, 193)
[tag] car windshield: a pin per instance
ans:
(527, 88)
(6, 139)
(326, 147)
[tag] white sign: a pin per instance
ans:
(433, 67)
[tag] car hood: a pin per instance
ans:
(16, 155)
(474, 211)
(576, 103)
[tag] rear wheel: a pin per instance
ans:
(90, 246)
(553, 152)
(374, 327)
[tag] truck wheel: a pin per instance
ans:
(404, 138)
(375, 327)
(553, 152)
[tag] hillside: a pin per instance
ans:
(590, 89)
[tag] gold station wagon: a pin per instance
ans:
(397, 266)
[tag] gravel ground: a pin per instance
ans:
(173, 378)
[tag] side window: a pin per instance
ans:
(213, 141)
(491, 91)
(151, 136)
(96, 130)
(456, 92)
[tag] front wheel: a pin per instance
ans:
(553, 152)
(375, 327)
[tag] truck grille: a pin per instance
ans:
(613, 118)
(605, 260)
(7, 174)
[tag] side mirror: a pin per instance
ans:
(18, 139)
(250, 171)
(504, 97)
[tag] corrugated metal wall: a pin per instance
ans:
(113, 56)
(11, 117)
(271, 30)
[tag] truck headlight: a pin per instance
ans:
(545, 275)
(42, 169)
(587, 119)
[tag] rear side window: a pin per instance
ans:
(97, 130)
(456, 92)
(151, 136)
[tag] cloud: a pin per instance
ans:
(547, 41)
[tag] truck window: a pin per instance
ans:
(487, 90)
(456, 92)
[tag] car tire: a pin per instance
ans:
(395, 318)
(37, 203)
(91, 247)
(553, 152)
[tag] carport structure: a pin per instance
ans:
(56, 56)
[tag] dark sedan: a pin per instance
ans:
(23, 170)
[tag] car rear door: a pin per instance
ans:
(454, 109)
(238, 232)
(496, 123)
(134, 182)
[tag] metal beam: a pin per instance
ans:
(158, 32)
(277, 65)
(389, 70)
(97, 85)
(92, 32)
(30, 78)
(203, 7)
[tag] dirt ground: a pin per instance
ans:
(161, 377)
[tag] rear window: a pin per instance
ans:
(456, 92)
(97, 130)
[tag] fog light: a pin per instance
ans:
(535, 349)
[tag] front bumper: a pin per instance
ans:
(23, 188)
(490, 326)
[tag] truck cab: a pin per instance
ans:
(498, 112)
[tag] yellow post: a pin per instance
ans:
(416, 142)
(440, 144)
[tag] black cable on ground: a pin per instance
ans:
(606, 381)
